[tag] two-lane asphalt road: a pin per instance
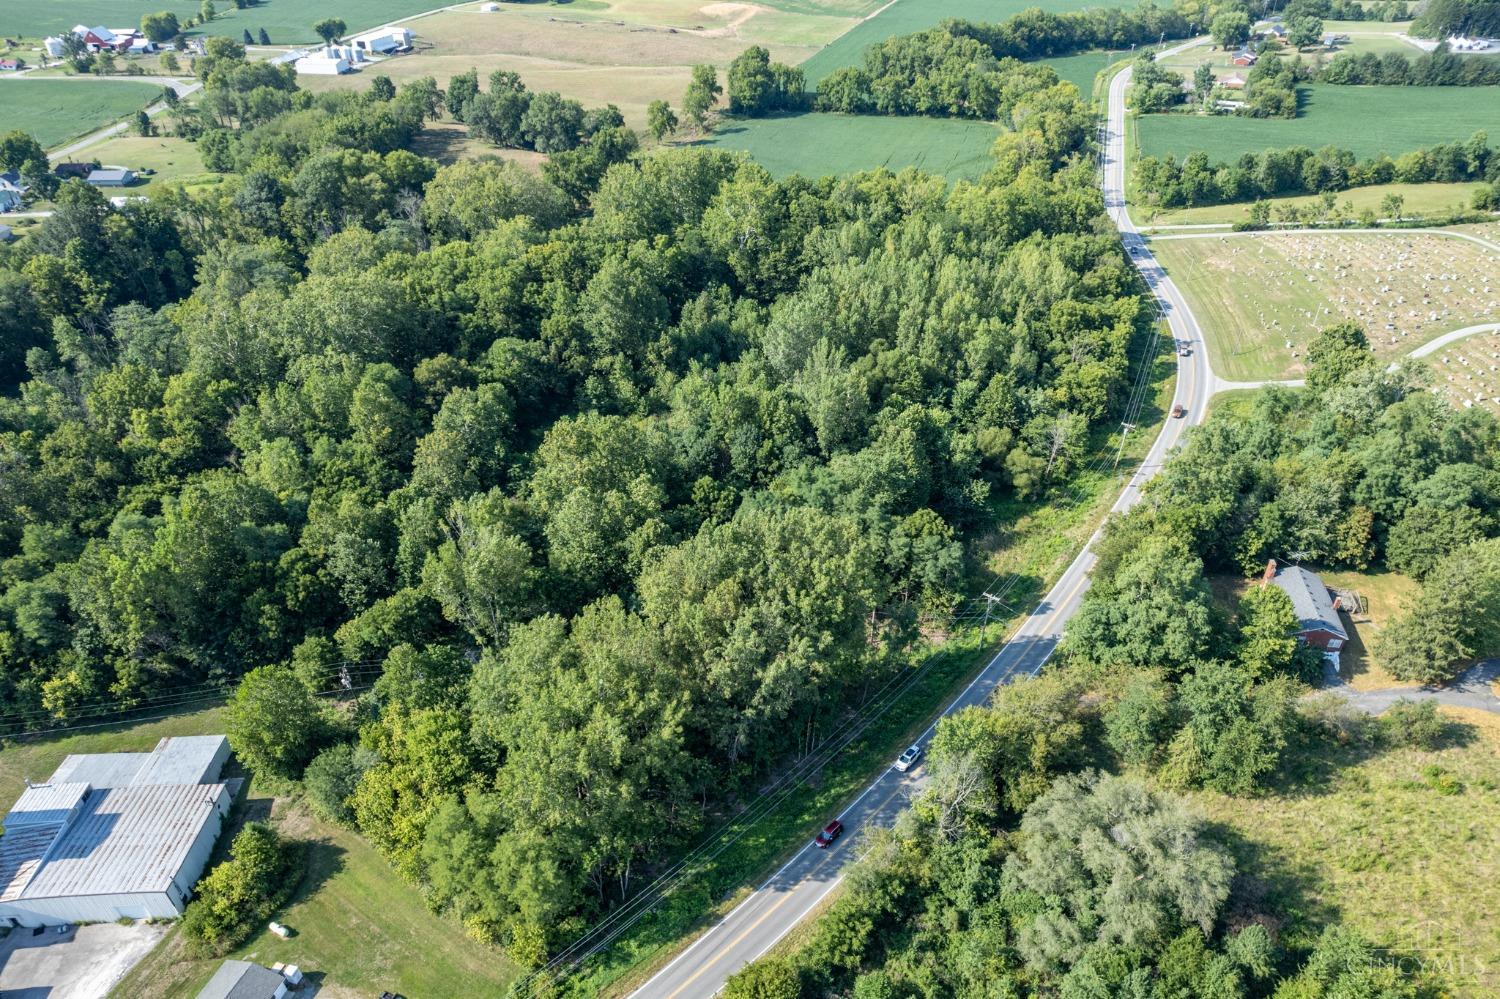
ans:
(793, 892)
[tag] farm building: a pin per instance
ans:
(114, 835)
(111, 177)
(324, 62)
(54, 47)
(1317, 610)
(383, 40)
(10, 64)
(244, 980)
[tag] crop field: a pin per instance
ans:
(902, 17)
(57, 110)
(1262, 297)
(1467, 373)
(1370, 838)
(818, 144)
(286, 21)
(593, 54)
(1367, 120)
(1418, 201)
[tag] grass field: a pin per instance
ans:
(57, 110)
(1367, 120)
(1467, 373)
(1262, 297)
(902, 17)
(359, 929)
(174, 160)
(286, 21)
(1419, 201)
(818, 144)
(1365, 838)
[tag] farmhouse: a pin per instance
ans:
(9, 64)
(1233, 81)
(383, 41)
(1244, 57)
(114, 835)
(244, 980)
(1317, 611)
(111, 177)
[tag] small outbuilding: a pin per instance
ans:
(54, 47)
(111, 177)
(383, 41)
(244, 980)
(1317, 609)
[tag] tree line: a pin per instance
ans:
(971, 70)
(628, 482)
(1444, 18)
(1170, 183)
(1440, 68)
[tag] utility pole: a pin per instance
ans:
(1125, 428)
(990, 600)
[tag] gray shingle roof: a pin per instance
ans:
(1310, 600)
(241, 980)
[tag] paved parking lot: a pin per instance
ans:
(83, 964)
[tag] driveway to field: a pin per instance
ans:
(84, 963)
(1474, 688)
(806, 881)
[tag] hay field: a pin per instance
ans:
(1467, 373)
(1262, 297)
(1367, 120)
(57, 110)
(902, 17)
(818, 144)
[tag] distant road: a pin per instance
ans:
(806, 880)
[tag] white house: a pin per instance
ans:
(114, 835)
(383, 41)
(323, 62)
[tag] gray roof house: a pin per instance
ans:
(243, 980)
(111, 177)
(1317, 610)
(114, 835)
(11, 190)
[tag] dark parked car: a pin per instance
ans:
(830, 832)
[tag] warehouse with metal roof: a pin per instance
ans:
(114, 835)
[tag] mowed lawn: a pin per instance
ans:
(818, 144)
(1262, 297)
(57, 110)
(358, 928)
(1367, 838)
(286, 21)
(902, 17)
(1367, 120)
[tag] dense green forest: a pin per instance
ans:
(1050, 854)
(622, 484)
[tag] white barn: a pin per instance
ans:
(383, 40)
(114, 835)
(323, 62)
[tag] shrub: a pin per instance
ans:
(242, 892)
(1413, 723)
(332, 777)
